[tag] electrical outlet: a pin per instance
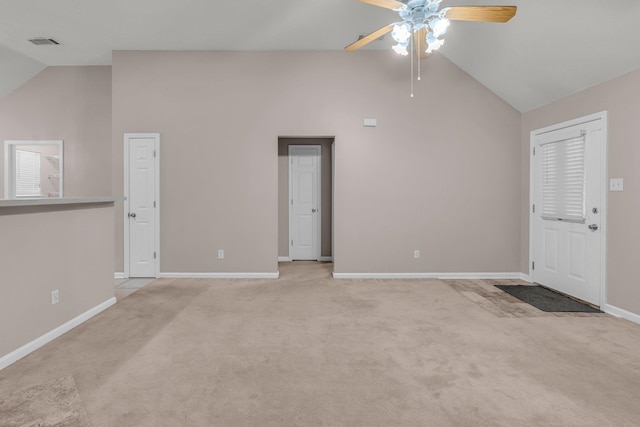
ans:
(416, 254)
(55, 297)
(220, 253)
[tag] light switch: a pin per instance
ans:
(370, 123)
(616, 184)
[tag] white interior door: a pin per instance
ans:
(141, 215)
(568, 208)
(304, 202)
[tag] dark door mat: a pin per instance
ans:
(546, 300)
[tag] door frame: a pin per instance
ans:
(317, 218)
(156, 211)
(602, 115)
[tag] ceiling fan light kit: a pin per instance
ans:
(417, 15)
(422, 24)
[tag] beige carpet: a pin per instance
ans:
(307, 350)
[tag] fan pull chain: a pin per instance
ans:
(411, 55)
(418, 52)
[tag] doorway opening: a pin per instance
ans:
(305, 235)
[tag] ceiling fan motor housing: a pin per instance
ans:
(417, 12)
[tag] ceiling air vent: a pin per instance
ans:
(40, 41)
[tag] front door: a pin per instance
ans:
(304, 202)
(142, 204)
(568, 167)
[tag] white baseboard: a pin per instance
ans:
(480, 276)
(427, 275)
(321, 259)
(527, 278)
(219, 275)
(26, 349)
(120, 275)
(618, 312)
(384, 275)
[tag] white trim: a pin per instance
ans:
(125, 209)
(119, 275)
(320, 259)
(525, 277)
(7, 169)
(26, 349)
(427, 275)
(219, 275)
(319, 211)
(318, 217)
(619, 312)
(602, 115)
(333, 198)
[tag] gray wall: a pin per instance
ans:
(72, 104)
(283, 192)
(621, 98)
(440, 173)
(69, 249)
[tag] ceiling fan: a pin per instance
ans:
(421, 23)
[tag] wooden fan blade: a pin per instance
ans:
(481, 13)
(388, 4)
(420, 43)
(369, 38)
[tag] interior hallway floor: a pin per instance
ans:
(309, 350)
(125, 287)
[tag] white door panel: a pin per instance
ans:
(577, 256)
(304, 224)
(142, 206)
(551, 250)
(567, 253)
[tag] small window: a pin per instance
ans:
(563, 180)
(28, 174)
(33, 169)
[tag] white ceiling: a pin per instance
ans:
(549, 50)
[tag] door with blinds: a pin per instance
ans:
(568, 208)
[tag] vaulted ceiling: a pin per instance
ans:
(549, 50)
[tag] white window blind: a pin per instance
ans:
(563, 180)
(27, 174)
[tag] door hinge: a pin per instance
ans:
(292, 243)
(534, 208)
(154, 203)
(534, 151)
(154, 153)
(154, 255)
(533, 265)
(291, 202)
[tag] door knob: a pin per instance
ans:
(314, 210)
(593, 227)
(132, 214)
